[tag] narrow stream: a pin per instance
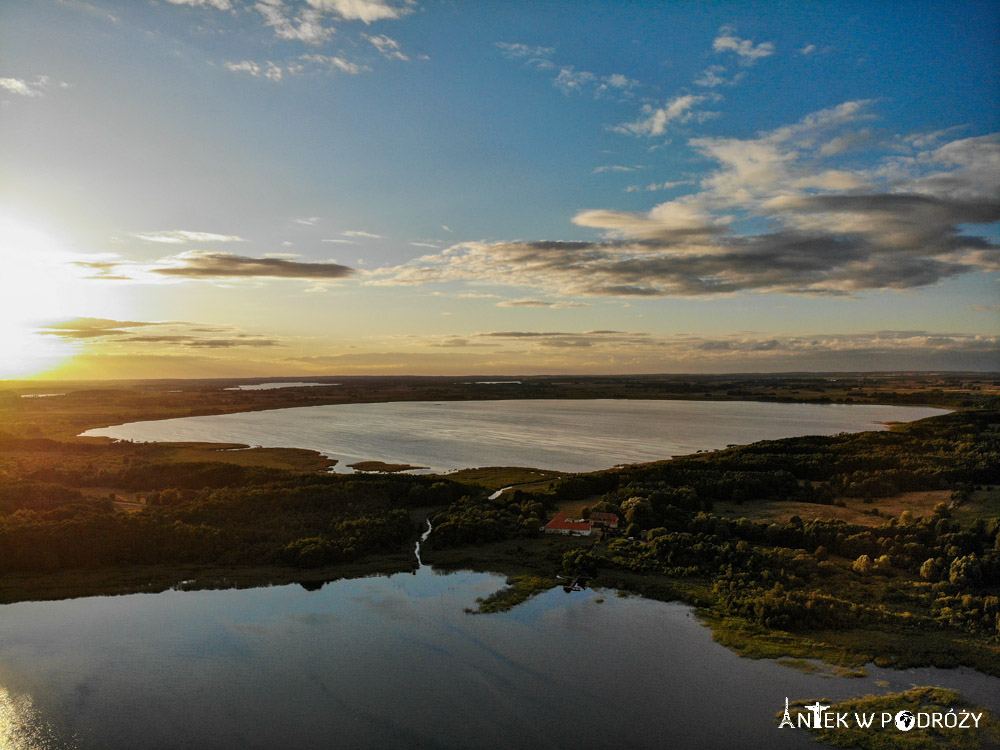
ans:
(423, 538)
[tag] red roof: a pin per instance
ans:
(561, 523)
(606, 517)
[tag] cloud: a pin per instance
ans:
(310, 221)
(87, 328)
(615, 168)
(716, 75)
(269, 70)
(653, 121)
(516, 50)
(367, 11)
(748, 53)
(218, 4)
(199, 343)
(363, 234)
(306, 26)
(879, 350)
(388, 47)
(332, 64)
(569, 80)
(985, 308)
(199, 264)
(657, 186)
(903, 225)
(35, 88)
(457, 341)
(680, 220)
(808, 49)
(118, 335)
(179, 236)
(540, 303)
(274, 72)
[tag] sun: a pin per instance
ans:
(37, 286)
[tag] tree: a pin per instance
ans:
(863, 565)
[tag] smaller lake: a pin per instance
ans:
(272, 386)
(563, 435)
(395, 662)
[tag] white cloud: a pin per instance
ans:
(808, 49)
(654, 120)
(219, 4)
(28, 88)
(570, 80)
(657, 186)
(517, 50)
(716, 75)
(367, 11)
(269, 70)
(306, 26)
(387, 46)
(749, 53)
(334, 64)
(362, 234)
(177, 236)
(615, 168)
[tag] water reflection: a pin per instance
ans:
(23, 728)
(396, 662)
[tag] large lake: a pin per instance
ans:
(395, 662)
(563, 435)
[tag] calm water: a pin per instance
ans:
(544, 434)
(272, 386)
(395, 662)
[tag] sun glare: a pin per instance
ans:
(37, 287)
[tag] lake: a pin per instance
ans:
(396, 662)
(562, 435)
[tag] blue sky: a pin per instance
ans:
(265, 187)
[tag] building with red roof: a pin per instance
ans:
(561, 524)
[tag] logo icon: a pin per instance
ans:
(905, 721)
(786, 720)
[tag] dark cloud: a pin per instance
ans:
(888, 349)
(540, 303)
(88, 328)
(175, 333)
(197, 343)
(213, 265)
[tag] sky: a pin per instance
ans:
(236, 188)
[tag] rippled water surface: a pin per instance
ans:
(545, 434)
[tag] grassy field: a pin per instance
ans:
(984, 504)
(500, 477)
